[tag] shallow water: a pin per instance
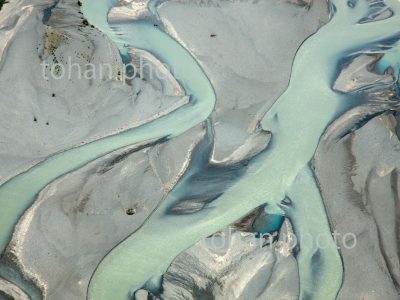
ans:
(297, 120)
(153, 8)
(17, 194)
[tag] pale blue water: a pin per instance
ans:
(17, 194)
(297, 121)
(153, 8)
(390, 62)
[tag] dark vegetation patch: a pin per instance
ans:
(2, 2)
(130, 211)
